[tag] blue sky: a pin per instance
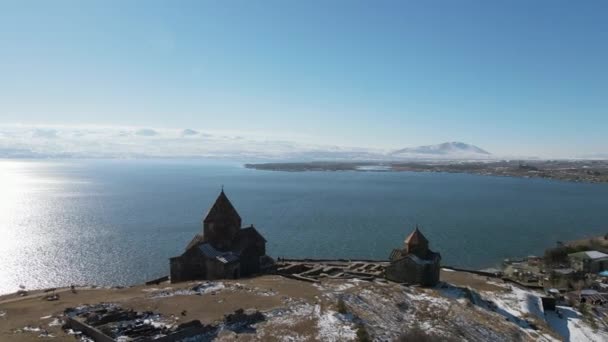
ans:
(513, 77)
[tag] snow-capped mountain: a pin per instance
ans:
(448, 149)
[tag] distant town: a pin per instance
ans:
(590, 171)
(572, 274)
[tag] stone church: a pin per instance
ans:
(415, 263)
(224, 250)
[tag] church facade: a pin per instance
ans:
(224, 250)
(415, 263)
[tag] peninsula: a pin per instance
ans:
(591, 171)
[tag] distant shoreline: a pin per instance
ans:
(586, 171)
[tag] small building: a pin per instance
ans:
(415, 263)
(534, 260)
(589, 261)
(224, 250)
(563, 276)
(592, 297)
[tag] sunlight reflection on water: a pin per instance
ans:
(29, 212)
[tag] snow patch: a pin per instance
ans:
(572, 327)
(334, 287)
(334, 326)
(56, 322)
(155, 289)
(199, 289)
(73, 332)
(296, 311)
(516, 303)
(434, 300)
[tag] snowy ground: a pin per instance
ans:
(388, 309)
(523, 306)
(325, 324)
(572, 327)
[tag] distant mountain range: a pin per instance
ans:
(446, 150)
(39, 141)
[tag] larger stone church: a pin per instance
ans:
(224, 250)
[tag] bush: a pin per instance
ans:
(362, 335)
(582, 308)
(559, 255)
(593, 324)
(341, 307)
(415, 334)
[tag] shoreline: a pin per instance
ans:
(481, 270)
(567, 171)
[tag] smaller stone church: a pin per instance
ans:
(224, 250)
(415, 263)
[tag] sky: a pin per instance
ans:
(512, 77)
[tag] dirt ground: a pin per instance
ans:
(262, 293)
(463, 279)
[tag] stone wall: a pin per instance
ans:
(185, 268)
(407, 271)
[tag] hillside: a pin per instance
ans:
(464, 307)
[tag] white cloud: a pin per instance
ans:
(146, 132)
(134, 142)
(89, 141)
(44, 133)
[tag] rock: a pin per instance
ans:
(241, 317)
(192, 324)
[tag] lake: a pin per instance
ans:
(116, 222)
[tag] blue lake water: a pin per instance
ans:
(118, 221)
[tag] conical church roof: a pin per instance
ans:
(416, 238)
(221, 209)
